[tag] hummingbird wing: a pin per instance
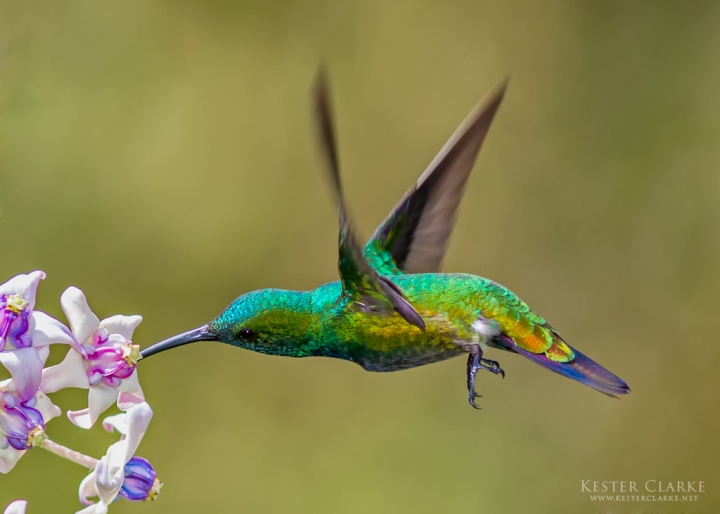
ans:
(359, 279)
(414, 237)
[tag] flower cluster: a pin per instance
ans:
(102, 359)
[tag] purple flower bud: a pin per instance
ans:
(140, 482)
(23, 426)
(14, 322)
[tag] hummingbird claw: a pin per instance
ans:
(493, 367)
(475, 364)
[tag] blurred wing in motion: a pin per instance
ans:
(360, 281)
(414, 238)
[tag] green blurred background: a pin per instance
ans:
(159, 155)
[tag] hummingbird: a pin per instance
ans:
(392, 308)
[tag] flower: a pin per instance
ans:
(106, 365)
(22, 424)
(16, 507)
(119, 472)
(25, 334)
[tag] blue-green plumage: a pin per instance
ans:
(391, 309)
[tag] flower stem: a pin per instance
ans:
(67, 453)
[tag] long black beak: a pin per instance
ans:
(192, 336)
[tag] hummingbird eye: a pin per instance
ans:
(246, 334)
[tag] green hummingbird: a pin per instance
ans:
(391, 308)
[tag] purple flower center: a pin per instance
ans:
(112, 358)
(20, 423)
(14, 322)
(140, 482)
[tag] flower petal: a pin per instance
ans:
(95, 508)
(126, 401)
(47, 330)
(25, 365)
(123, 325)
(8, 458)
(16, 507)
(130, 392)
(100, 398)
(69, 373)
(26, 285)
(110, 472)
(47, 408)
(138, 420)
(117, 422)
(83, 321)
(87, 489)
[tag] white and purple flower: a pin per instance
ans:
(103, 359)
(119, 472)
(106, 364)
(22, 424)
(25, 333)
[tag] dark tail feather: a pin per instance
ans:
(581, 368)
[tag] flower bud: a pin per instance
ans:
(141, 481)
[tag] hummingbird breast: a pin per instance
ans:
(379, 339)
(382, 342)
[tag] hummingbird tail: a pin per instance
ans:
(581, 368)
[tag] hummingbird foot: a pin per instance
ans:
(492, 367)
(473, 366)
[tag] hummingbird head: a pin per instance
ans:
(269, 321)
